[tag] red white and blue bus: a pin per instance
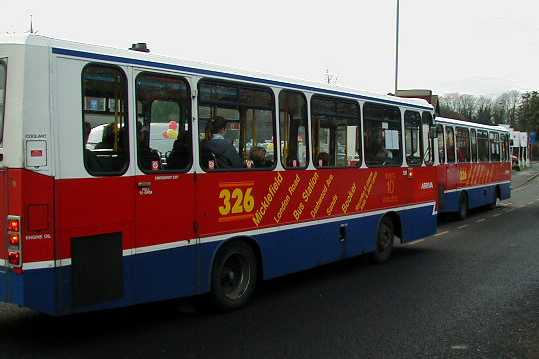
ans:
(108, 199)
(474, 165)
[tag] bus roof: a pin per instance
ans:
(470, 124)
(136, 58)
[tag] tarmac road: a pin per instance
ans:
(471, 291)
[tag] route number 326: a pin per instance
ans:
(236, 201)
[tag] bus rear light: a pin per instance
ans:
(14, 258)
(13, 225)
(14, 239)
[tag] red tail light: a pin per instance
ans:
(14, 258)
(13, 225)
(14, 239)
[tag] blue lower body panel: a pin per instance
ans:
(477, 196)
(186, 270)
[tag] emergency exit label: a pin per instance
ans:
(36, 153)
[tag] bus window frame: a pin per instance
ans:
(420, 139)
(237, 84)
(494, 141)
(452, 128)
(438, 133)
(189, 116)
(358, 125)
(475, 159)
(467, 129)
(307, 131)
(401, 128)
(488, 146)
(127, 163)
(427, 161)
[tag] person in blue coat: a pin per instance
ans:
(219, 149)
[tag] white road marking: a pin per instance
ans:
(416, 242)
(441, 234)
(463, 226)
(481, 220)
(496, 215)
(459, 347)
(530, 203)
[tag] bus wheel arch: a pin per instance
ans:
(389, 226)
(236, 269)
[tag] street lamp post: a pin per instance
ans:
(397, 51)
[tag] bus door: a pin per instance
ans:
(164, 187)
(414, 152)
(440, 169)
(452, 172)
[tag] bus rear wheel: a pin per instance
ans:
(234, 276)
(384, 241)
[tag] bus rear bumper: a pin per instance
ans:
(33, 289)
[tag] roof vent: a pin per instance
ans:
(139, 46)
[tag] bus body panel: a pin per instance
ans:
(481, 182)
(160, 244)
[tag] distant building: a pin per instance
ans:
(422, 94)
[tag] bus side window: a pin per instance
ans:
(428, 143)
(382, 135)
(336, 132)
(473, 140)
(293, 129)
(463, 145)
(450, 144)
(413, 139)
(482, 146)
(105, 120)
(246, 116)
(163, 123)
(441, 143)
(494, 146)
(505, 147)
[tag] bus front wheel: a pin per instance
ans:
(384, 241)
(234, 276)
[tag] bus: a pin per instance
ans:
(110, 197)
(474, 165)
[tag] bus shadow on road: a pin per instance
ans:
(43, 333)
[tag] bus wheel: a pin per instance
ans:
(463, 206)
(234, 276)
(384, 241)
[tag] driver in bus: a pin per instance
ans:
(89, 156)
(222, 150)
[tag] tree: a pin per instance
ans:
(485, 111)
(527, 113)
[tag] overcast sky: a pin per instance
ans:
(477, 47)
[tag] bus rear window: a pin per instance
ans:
(3, 78)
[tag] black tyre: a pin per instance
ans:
(463, 206)
(234, 276)
(384, 241)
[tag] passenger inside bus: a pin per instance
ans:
(217, 148)
(90, 157)
(258, 156)
(323, 159)
(180, 156)
(149, 159)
